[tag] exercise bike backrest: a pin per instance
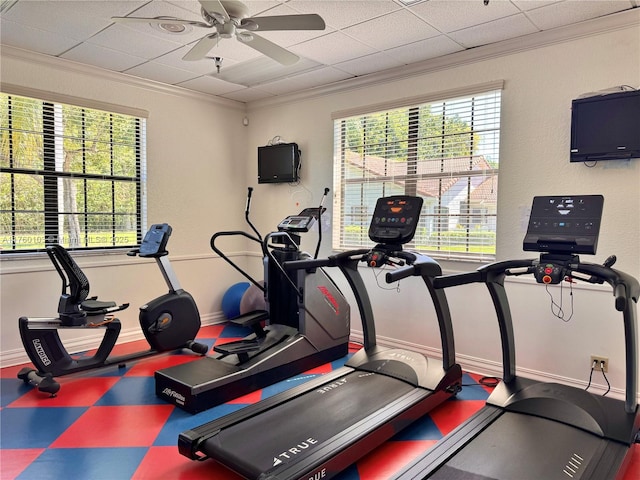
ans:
(74, 304)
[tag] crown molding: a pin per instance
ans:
(123, 78)
(617, 21)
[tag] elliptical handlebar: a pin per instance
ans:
(212, 243)
(246, 214)
(330, 261)
(320, 207)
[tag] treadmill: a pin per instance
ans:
(537, 430)
(319, 428)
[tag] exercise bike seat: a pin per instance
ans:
(93, 306)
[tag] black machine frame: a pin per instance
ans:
(530, 429)
(169, 322)
(392, 387)
(307, 324)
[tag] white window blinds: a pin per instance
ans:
(445, 150)
(69, 175)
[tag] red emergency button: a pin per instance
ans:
(546, 279)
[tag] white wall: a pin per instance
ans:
(196, 159)
(193, 132)
(539, 85)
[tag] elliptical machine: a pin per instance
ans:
(169, 322)
(307, 324)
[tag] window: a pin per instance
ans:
(69, 175)
(445, 150)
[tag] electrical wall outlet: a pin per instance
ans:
(600, 362)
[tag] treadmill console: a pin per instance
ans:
(564, 224)
(395, 219)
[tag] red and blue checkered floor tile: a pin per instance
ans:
(109, 424)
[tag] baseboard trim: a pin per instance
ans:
(490, 368)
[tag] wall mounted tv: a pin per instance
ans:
(278, 163)
(606, 127)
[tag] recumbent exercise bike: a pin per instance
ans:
(169, 322)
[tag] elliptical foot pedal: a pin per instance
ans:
(253, 319)
(241, 348)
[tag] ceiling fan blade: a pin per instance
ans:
(271, 50)
(160, 21)
(215, 9)
(310, 21)
(202, 47)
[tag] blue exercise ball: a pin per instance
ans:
(232, 298)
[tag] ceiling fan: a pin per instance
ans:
(230, 18)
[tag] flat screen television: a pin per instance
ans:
(606, 127)
(278, 163)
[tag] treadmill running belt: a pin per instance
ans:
(295, 429)
(518, 446)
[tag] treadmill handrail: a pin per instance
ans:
(421, 265)
(626, 291)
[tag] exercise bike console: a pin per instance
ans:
(154, 243)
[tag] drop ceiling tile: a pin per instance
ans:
(191, 6)
(118, 37)
(75, 19)
(262, 8)
(316, 78)
(165, 9)
(185, 9)
(161, 73)
(448, 16)
(526, 5)
(247, 95)
(287, 38)
(264, 69)
(375, 62)
(343, 13)
(565, 13)
(22, 36)
(392, 30)
(495, 31)
(102, 57)
(333, 48)
(425, 49)
(209, 84)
